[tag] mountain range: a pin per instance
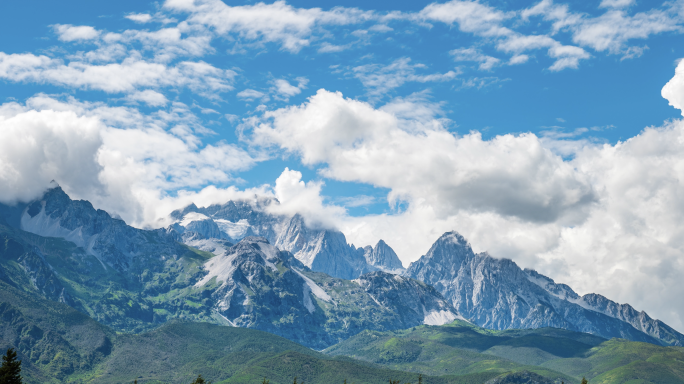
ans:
(236, 264)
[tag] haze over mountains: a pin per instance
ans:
(234, 264)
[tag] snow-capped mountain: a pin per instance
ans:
(497, 294)
(135, 280)
(321, 249)
(254, 284)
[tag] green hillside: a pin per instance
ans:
(461, 348)
(154, 291)
(58, 344)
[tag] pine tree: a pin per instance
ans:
(200, 380)
(10, 371)
(584, 380)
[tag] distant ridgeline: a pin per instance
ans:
(237, 266)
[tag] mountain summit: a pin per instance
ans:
(497, 294)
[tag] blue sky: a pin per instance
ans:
(522, 125)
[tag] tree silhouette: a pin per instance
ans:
(200, 380)
(584, 380)
(10, 371)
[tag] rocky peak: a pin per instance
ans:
(322, 250)
(110, 240)
(383, 257)
(496, 293)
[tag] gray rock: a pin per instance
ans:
(497, 294)
(383, 257)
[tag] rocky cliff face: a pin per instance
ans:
(134, 280)
(383, 257)
(497, 294)
(253, 284)
(110, 240)
(321, 249)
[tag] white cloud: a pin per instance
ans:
(471, 16)
(250, 94)
(68, 32)
(472, 54)
(610, 31)
(285, 90)
(518, 59)
(420, 160)
(296, 196)
(616, 3)
(275, 23)
(166, 43)
(86, 148)
(149, 97)
(567, 56)
(606, 221)
(127, 76)
(139, 17)
(673, 91)
(380, 79)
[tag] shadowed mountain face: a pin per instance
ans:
(115, 244)
(497, 294)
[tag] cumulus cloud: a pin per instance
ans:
(67, 32)
(297, 196)
(421, 160)
(139, 17)
(86, 148)
(673, 91)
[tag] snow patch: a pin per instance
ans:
(308, 303)
(440, 317)
(46, 226)
(208, 245)
(220, 267)
(193, 216)
(315, 289)
(235, 230)
(271, 255)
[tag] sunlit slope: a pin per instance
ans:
(460, 348)
(58, 344)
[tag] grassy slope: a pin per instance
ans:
(153, 291)
(455, 349)
(460, 348)
(53, 340)
(59, 344)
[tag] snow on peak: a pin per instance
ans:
(193, 216)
